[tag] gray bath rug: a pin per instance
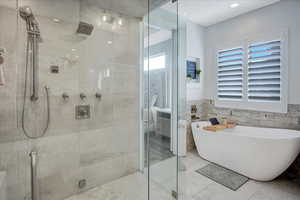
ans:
(223, 176)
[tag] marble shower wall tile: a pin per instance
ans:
(201, 106)
(100, 149)
(103, 144)
(67, 10)
(14, 159)
(108, 170)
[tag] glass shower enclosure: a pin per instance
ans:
(89, 106)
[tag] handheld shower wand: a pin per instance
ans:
(32, 62)
(34, 37)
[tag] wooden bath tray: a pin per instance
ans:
(219, 127)
(214, 128)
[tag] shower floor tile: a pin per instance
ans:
(202, 188)
(132, 187)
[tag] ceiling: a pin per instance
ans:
(135, 8)
(209, 12)
(203, 12)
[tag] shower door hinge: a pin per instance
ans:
(174, 194)
(142, 114)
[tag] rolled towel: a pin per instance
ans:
(2, 78)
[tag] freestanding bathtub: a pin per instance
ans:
(259, 153)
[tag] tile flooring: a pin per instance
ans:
(195, 186)
(159, 148)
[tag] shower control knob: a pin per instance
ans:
(1, 60)
(65, 96)
(2, 51)
(82, 96)
(98, 95)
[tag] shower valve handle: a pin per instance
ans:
(82, 96)
(98, 95)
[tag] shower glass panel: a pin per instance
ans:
(160, 78)
(88, 50)
(75, 73)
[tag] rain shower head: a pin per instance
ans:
(85, 28)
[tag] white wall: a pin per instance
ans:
(271, 19)
(195, 40)
(195, 49)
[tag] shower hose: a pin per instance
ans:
(29, 47)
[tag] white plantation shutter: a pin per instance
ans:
(254, 75)
(230, 74)
(264, 71)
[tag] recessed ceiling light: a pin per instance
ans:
(234, 5)
(56, 20)
(73, 49)
(109, 42)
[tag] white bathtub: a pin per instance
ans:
(258, 153)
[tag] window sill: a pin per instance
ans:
(277, 107)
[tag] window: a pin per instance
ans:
(230, 74)
(155, 62)
(264, 76)
(253, 76)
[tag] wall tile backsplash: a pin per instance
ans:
(289, 120)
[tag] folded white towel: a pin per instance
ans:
(2, 78)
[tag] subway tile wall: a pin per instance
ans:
(99, 149)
